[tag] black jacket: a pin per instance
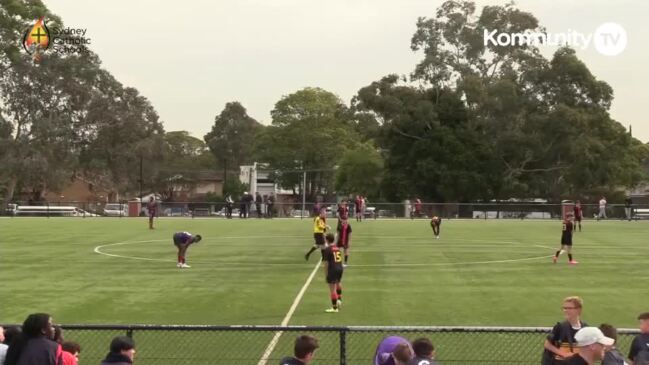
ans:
(116, 359)
(40, 351)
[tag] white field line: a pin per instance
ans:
(271, 346)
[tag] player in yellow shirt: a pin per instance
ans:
(319, 228)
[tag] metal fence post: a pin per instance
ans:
(343, 346)
(129, 333)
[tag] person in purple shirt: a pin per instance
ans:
(182, 241)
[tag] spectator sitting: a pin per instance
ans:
(122, 350)
(34, 346)
(424, 352)
(402, 354)
(612, 356)
(10, 333)
(387, 353)
(72, 348)
(639, 352)
(68, 357)
(591, 343)
(3, 346)
(559, 344)
(303, 351)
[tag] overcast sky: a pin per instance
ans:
(190, 58)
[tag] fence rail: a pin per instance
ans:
(294, 210)
(173, 344)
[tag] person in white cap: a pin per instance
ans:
(591, 343)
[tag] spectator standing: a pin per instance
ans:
(303, 351)
(591, 343)
(242, 206)
(358, 204)
(258, 201)
(612, 356)
(560, 344)
(602, 209)
(249, 200)
(34, 346)
(122, 351)
(424, 352)
(628, 208)
(639, 352)
(229, 203)
(270, 204)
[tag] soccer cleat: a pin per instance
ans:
(179, 264)
(306, 257)
(573, 262)
(437, 237)
(554, 259)
(339, 303)
(331, 310)
(185, 266)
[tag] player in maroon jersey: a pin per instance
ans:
(578, 214)
(152, 208)
(344, 233)
(358, 205)
(333, 273)
(566, 240)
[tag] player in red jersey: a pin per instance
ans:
(344, 233)
(578, 214)
(152, 208)
(333, 273)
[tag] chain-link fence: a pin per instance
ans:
(259, 345)
(296, 210)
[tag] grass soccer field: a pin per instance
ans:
(249, 272)
(491, 273)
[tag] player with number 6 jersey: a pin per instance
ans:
(333, 273)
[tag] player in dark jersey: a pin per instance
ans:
(435, 223)
(152, 208)
(566, 240)
(578, 214)
(333, 273)
(344, 233)
(182, 241)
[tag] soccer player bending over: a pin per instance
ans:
(435, 223)
(182, 241)
(319, 228)
(566, 241)
(333, 273)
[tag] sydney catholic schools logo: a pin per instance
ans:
(38, 38)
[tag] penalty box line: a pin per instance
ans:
(289, 314)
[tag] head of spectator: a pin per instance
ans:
(304, 349)
(2, 335)
(10, 333)
(122, 351)
(423, 348)
(385, 351)
(402, 354)
(644, 322)
(71, 347)
(36, 325)
(58, 335)
(572, 307)
(592, 343)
